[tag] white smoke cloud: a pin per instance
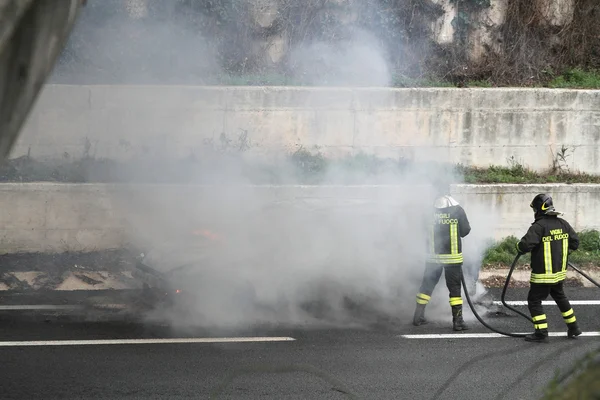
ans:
(284, 250)
(287, 254)
(358, 61)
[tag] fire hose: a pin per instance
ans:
(506, 283)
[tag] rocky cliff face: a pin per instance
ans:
(347, 41)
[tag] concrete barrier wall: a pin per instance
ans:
(52, 217)
(470, 126)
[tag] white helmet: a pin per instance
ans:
(445, 201)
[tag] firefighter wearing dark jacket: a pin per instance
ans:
(549, 240)
(449, 225)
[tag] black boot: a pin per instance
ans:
(573, 331)
(419, 317)
(458, 323)
(539, 336)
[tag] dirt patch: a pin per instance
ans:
(527, 267)
(497, 281)
(8, 280)
(573, 282)
(26, 271)
(87, 279)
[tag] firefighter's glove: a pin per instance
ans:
(519, 251)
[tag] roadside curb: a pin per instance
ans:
(520, 278)
(127, 280)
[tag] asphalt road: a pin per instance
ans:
(377, 362)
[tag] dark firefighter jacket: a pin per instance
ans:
(449, 225)
(549, 239)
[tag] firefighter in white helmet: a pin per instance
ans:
(449, 225)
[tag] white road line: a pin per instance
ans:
(552, 303)
(144, 341)
(38, 307)
(483, 335)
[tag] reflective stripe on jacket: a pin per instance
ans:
(449, 225)
(549, 239)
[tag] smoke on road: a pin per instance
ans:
(278, 254)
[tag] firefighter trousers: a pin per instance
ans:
(431, 277)
(539, 292)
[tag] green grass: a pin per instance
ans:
(503, 252)
(256, 80)
(577, 79)
(362, 165)
(580, 380)
(402, 81)
(278, 79)
(300, 167)
(484, 83)
(519, 174)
